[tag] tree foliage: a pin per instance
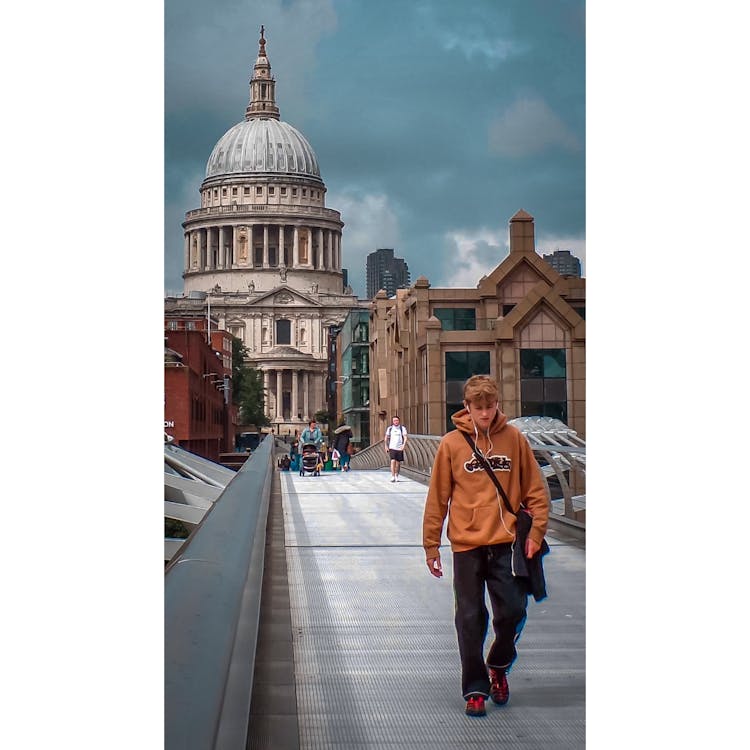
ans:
(247, 387)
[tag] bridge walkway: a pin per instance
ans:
(365, 656)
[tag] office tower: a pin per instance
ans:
(384, 271)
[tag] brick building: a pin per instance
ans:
(198, 410)
(523, 325)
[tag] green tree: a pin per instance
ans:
(247, 387)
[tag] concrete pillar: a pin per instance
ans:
(265, 246)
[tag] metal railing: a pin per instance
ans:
(566, 463)
(212, 591)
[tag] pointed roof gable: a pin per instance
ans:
(541, 296)
(285, 295)
(489, 285)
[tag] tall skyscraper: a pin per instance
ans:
(385, 271)
(564, 263)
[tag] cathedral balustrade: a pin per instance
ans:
(326, 213)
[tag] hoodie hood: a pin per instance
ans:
(465, 423)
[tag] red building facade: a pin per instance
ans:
(198, 410)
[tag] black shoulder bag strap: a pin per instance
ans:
(483, 461)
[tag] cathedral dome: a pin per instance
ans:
(263, 146)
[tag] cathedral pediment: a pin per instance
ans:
(287, 296)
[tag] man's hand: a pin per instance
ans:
(434, 566)
(531, 548)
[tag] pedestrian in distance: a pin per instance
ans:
(482, 534)
(395, 442)
(341, 442)
(312, 434)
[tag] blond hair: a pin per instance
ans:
(480, 389)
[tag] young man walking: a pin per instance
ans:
(395, 442)
(482, 534)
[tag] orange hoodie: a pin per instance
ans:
(460, 488)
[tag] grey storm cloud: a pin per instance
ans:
(431, 120)
(528, 127)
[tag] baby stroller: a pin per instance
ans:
(310, 460)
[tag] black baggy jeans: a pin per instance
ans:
(472, 570)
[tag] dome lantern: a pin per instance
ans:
(262, 94)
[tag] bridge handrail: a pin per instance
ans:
(212, 590)
(421, 449)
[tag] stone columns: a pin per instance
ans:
(265, 246)
(280, 258)
(295, 389)
(210, 258)
(187, 251)
(220, 251)
(329, 254)
(295, 250)
(266, 394)
(306, 394)
(320, 250)
(279, 400)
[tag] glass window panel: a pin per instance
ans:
(532, 409)
(554, 363)
(554, 389)
(532, 390)
(450, 410)
(479, 363)
(454, 391)
(455, 366)
(532, 363)
(445, 316)
(364, 362)
(465, 319)
(283, 332)
(556, 410)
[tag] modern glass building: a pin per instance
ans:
(353, 343)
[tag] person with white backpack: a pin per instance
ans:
(395, 442)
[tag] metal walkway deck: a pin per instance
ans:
(375, 655)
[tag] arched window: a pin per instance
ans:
(283, 332)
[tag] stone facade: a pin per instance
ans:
(523, 325)
(267, 253)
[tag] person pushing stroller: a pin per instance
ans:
(312, 435)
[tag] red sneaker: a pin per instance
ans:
(475, 706)
(499, 691)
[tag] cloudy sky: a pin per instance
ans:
(433, 121)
